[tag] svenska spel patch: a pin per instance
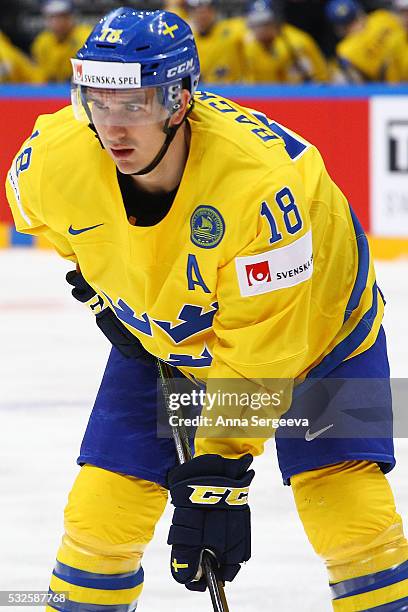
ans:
(277, 268)
(117, 75)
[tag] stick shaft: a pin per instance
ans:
(183, 449)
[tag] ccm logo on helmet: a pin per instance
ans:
(180, 68)
(213, 495)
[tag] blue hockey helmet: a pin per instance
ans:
(342, 12)
(57, 7)
(149, 55)
(260, 12)
(400, 5)
(192, 4)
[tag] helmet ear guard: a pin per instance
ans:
(172, 97)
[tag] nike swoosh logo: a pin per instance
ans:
(311, 436)
(75, 232)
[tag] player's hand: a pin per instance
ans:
(210, 495)
(82, 291)
(119, 336)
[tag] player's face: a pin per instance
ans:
(60, 24)
(265, 33)
(203, 17)
(125, 106)
(341, 31)
(129, 124)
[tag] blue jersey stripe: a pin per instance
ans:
(363, 584)
(363, 267)
(77, 606)
(349, 344)
(91, 580)
(293, 145)
(363, 328)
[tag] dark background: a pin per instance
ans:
(21, 20)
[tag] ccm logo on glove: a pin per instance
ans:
(211, 512)
(213, 495)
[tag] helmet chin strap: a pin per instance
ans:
(170, 132)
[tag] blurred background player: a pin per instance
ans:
(399, 63)
(220, 42)
(368, 42)
(53, 48)
(278, 51)
(176, 6)
(16, 66)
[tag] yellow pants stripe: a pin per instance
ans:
(96, 596)
(373, 599)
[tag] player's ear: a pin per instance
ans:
(178, 116)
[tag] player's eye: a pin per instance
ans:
(98, 104)
(134, 107)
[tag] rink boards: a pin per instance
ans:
(361, 131)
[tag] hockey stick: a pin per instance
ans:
(182, 444)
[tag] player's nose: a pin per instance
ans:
(115, 133)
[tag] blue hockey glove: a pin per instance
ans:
(106, 320)
(210, 495)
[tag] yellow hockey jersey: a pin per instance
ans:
(259, 270)
(294, 57)
(15, 66)
(54, 57)
(265, 65)
(397, 71)
(371, 50)
(221, 51)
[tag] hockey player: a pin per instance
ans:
(53, 48)
(222, 245)
(399, 66)
(368, 45)
(15, 66)
(220, 42)
(278, 51)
